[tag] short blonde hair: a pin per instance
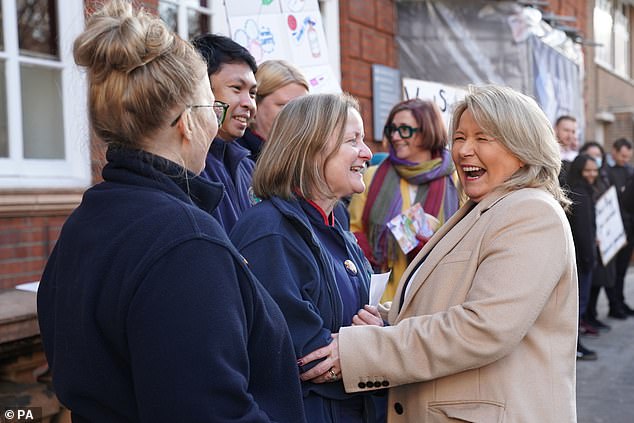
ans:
(294, 156)
(519, 124)
(138, 72)
(275, 74)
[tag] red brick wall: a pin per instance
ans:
(25, 244)
(367, 30)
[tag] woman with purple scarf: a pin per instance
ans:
(418, 170)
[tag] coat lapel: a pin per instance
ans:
(443, 241)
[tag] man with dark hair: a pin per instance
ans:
(566, 133)
(619, 174)
(231, 69)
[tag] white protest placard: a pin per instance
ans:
(610, 231)
(445, 96)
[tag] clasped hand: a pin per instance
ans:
(323, 371)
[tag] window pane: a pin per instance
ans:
(197, 23)
(169, 13)
(42, 124)
(4, 137)
(621, 41)
(603, 30)
(1, 30)
(37, 27)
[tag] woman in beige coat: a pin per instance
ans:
(483, 326)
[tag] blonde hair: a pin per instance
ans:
(138, 72)
(275, 74)
(293, 158)
(519, 124)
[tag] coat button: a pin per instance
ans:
(385, 383)
(361, 385)
(398, 408)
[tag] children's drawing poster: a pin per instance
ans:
(262, 35)
(253, 7)
(306, 37)
(321, 79)
(291, 30)
(297, 6)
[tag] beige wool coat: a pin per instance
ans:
(487, 331)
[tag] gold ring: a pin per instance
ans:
(333, 375)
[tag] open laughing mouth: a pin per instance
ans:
(473, 173)
(357, 169)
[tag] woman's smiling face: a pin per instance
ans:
(483, 163)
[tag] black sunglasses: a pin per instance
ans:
(219, 108)
(405, 131)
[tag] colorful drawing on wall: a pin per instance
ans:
(295, 6)
(253, 7)
(321, 79)
(262, 35)
(307, 39)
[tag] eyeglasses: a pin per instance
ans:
(405, 131)
(219, 108)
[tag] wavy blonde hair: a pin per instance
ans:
(518, 123)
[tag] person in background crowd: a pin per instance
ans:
(418, 171)
(604, 274)
(146, 310)
(582, 176)
(231, 70)
(278, 83)
(619, 174)
(313, 268)
(566, 134)
(484, 321)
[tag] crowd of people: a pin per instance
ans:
(588, 173)
(223, 267)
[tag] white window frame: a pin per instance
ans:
(619, 38)
(17, 172)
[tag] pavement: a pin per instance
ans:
(605, 387)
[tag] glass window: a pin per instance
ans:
(621, 40)
(42, 120)
(44, 137)
(603, 30)
(37, 28)
(1, 32)
(4, 136)
(187, 17)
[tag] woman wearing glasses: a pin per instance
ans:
(418, 170)
(147, 312)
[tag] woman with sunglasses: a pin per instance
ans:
(418, 170)
(147, 311)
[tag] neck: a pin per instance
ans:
(327, 205)
(421, 156)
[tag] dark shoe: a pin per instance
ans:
(598, 324)
(585, 354)
(617, 314)
(627, 310)
(587, 329)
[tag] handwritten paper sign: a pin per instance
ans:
(610, 231)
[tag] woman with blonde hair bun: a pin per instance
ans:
(147, 312)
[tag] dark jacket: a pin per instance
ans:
(229, 164)
(275, 237)
(149, 314)
(252, 142)
(619, 176)
(583, 225)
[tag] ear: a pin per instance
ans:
(184, 127)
